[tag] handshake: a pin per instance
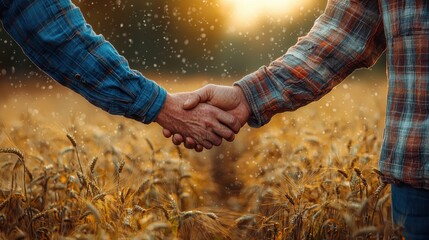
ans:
(201, 119)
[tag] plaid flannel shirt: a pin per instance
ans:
(55, 36)
(352, 34)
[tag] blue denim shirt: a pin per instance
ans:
(55, 36)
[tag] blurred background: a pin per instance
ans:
(173, 40)
(182, 45)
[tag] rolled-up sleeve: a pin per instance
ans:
(55, 36)
(347, 36)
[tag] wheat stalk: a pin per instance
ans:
(74, 144)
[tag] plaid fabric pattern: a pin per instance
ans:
(405, 152)
(352, 34)
(55, 36)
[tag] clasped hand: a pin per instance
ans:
(201, 119)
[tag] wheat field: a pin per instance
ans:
(71, 171)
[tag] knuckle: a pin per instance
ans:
(210, 85)
(208, 125)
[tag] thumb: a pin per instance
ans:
(194, 98)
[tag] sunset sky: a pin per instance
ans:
(245, 14)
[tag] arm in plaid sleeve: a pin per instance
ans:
(55, 36)
(349, 35)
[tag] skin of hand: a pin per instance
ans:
(227, 98)
(205, 124)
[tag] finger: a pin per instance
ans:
(198, 96)
(166, 133)
(208, 138)
(230, 139)
(199, 148)
(228, 120)
(206, 144)
(214, 138)
(175, 142)
(193, 100)
(189, 143)
(224, 132)
(187, 146)
(177, 139)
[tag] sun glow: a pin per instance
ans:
(247, 13)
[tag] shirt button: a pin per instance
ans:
(77, 77)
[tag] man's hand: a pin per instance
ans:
(205, 124)
(227, 98)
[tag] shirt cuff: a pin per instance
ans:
(247, 84)
(148, 104)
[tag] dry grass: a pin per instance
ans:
(310, 174)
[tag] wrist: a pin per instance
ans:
(245, 109)
(164, 111)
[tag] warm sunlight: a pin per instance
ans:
(245, 13)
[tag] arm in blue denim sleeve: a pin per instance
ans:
(55, 36)
(349, 35)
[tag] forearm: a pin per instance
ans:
(349, 35)
(55, 36)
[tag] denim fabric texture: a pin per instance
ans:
(410, 210)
